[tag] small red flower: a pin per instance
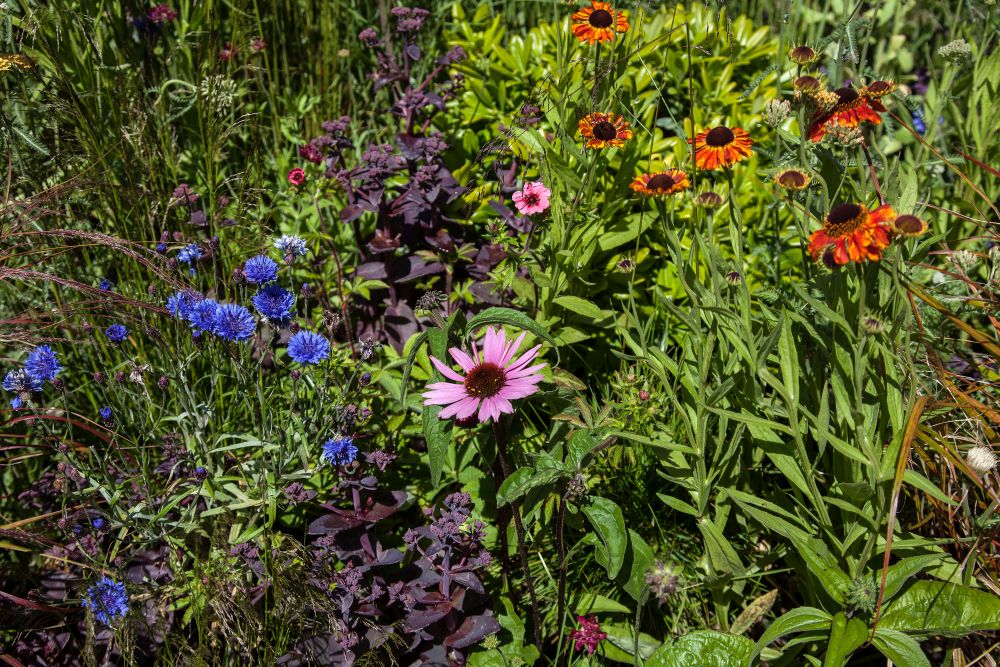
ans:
(297, 176)
(588, 635)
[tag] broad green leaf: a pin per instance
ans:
(523, 480)
(575, 304)
(437, 433)
(937, 608)
(903, 650)
(592, 603)
(624, 638)
(606, 518)
(802, 619)
(846, 635)
(898, 573)
(704, 648)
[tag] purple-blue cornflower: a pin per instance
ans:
(105, 413)
(106, 285)
(233, 322)
(306, 347)
(179, 304)
(116, 333)
(202, 315)
(275, 303)
(260, 269)
(43, 363)
(23, 384)
(339, 451)
(107, 599)
(189, 254)
(291, 246)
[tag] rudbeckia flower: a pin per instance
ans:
(598, 23)
(493, 378)
(721, 147)
(852, 233)
(602, 130)
(852, 108)
(662, 183)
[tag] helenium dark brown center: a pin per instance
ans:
(720, 136)
(601, 18)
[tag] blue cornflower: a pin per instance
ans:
(202, 315)
(116, 333)
(260, 269)
(106, 285)
(234, 322)
(179, 304)
(23, 384)
(291, 246)
(918, 121)
(189, 254)
(306, 347)
(43, 363)
(339, 451)
(107, 599)
(106, 413)
(275, 303)
(98, 523)
(161, 248)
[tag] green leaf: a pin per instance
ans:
(937, 608)
(624, 638)
(915, 479)
(511, 318)
(900, 572)
(903, 650)
(720, 552)
(437, 433)
(580, 306)
(788, 358)
(592, 603)
(704, 648)
(609, 524)
(846, 635)
(523, 480)
(824, 567)
(802, 619)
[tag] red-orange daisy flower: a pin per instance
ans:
(852, 233)
(603, 130)
(721, 147)
(852, 108)
(662, 183)
(598, 23)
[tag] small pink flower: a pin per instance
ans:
(533, 198)
(257, 44)
(297, 176)
(161, 14)
(228, 53)
(493, 378)
(588, 635)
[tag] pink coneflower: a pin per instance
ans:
(588, 635)
(297, 176)
(493, 378)
(533, 198)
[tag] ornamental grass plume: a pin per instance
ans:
(493, 378)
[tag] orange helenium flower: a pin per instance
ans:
(662, 183)
(852, 108)
(604, 129)
(598, 23)
(852, 233)
(721, 147)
